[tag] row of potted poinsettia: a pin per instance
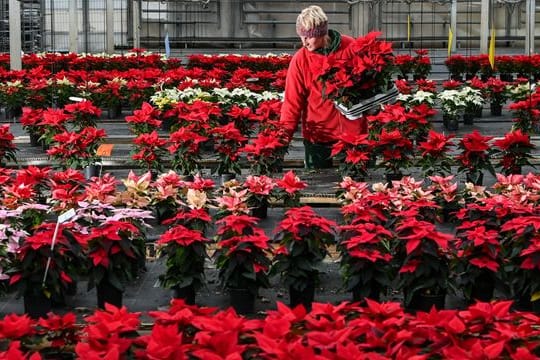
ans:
(388, 241)
(399, 140)
(113, 89)
(505, 65)
(378, 331)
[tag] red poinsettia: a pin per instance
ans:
(265, 152)
(84, 113)
(422, 258)
(184, 147)
(290, 186)
(228, 142)
(149, 151)
(77, 149)
(34, 254)
(144, 120)
(515, 149)
(7, 146)
(364, 74)
(242, 254)
(475, 155)
(435, 153)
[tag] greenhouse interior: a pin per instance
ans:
(233, 179)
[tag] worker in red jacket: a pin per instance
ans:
(322, 123)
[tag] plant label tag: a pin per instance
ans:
(66, 216)
(104, 150)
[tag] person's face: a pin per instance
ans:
(312, 43)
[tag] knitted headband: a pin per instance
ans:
(316, 31)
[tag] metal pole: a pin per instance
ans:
(529, 26)
(109, 26)
(136, 24)
(73, 27)
(453, 24)
(484, 26)
(15, 47)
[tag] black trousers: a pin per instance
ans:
(317, 155)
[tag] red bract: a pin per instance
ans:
(305, 222)
(181, 236)
(144, 120)
(291, 183)
(15, 327)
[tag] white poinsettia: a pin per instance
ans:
(451, 101)
(237, 96)
(472, 97)
(419, 97)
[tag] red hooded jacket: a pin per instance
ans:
(303, 101)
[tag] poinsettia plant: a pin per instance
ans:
(111, 252)
(366, 254)
(185, 250)
(185, 149)
(477, 257)
(515, 151)
(354, 153)
(77, 149)
(243, 253)
(30, 273)
(475, 156)
(7, 145)
(366, 72)
(266, 151)
(228, 142)
(421, 258)
(289, 189)
(434, 154)
(304, 237)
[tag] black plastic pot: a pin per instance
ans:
(37, 305)
(374, 293)
(495, 109)
(260, 211)
(107, 293)
(242, 300)
(304, 297)
(483, 288)
(424, 302)
(187, 293)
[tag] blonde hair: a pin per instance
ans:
(311, 17)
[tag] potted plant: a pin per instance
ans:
(242, 259)
(144, 120)
(354, 154)
(366, 254)
(519, 248)
(150, 151)
(259, 189)
(445, 192)
(497, 95)
(42, 271)
(473, 100)
(452, 106)
(405, 64)
(289, 189)
(228, 140)
(185, 250)
(396, 153)
(456, 65)
(515, 151)
(422, 262)
(7, 145)
(78, 149)
(475, 156)
(185, 149)
(434, 154)
(476, 259)
(365, 74)
(266, 151)
(304, 237)
(422, 64)
(112, 255)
